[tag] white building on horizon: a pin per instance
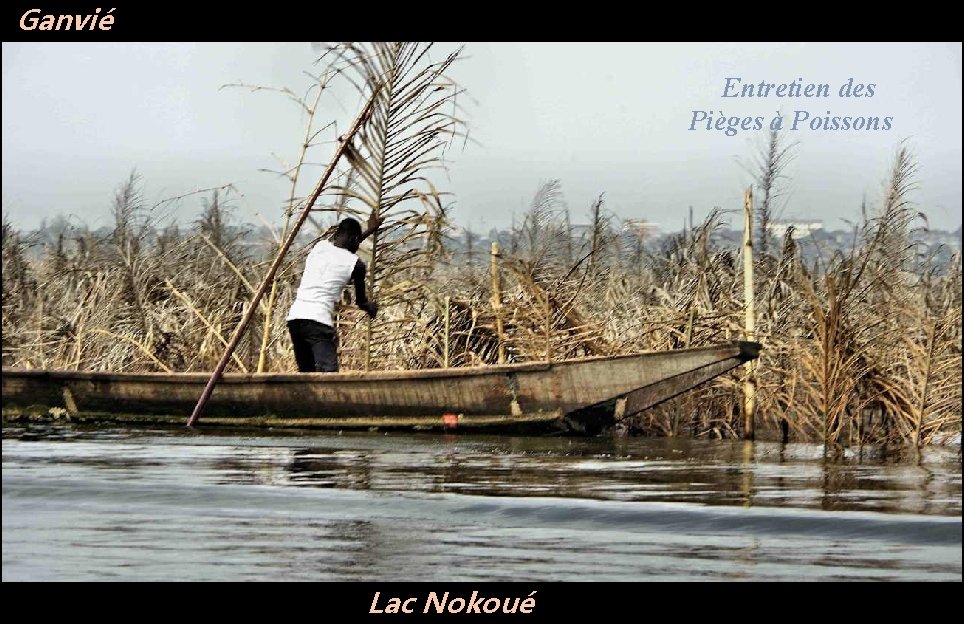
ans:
(801, 229)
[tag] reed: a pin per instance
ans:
(861, 346)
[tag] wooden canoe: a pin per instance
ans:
(580, 395)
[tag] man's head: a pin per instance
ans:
(348, 235)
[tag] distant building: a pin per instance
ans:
(801, 229)
(640, 229)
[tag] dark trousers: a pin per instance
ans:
(315, 345)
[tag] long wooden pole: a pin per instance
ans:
(749, 382)
(344, 142)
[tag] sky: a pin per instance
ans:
(609, 118)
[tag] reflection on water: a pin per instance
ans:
(637, 470)
(89, 503)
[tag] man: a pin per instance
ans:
(328, 268)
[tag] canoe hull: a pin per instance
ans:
(492, 396)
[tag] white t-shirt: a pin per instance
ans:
(327, 270)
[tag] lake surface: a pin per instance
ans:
(85, 503)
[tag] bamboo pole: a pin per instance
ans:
(749, 380)
(497, 301)
(689, 326)
(448, 319)
(344, 142)
(548, 328)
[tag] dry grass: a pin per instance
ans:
(860, 347)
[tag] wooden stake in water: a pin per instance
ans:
(497, 301)
(749, 382)
(344, 142)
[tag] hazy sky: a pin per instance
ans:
(609, 117)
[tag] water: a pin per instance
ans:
(167, 504)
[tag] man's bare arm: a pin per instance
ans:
(361, 296)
